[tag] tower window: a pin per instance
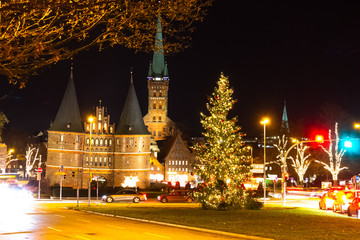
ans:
(106, 142)
(160, 117)
(154, 95)
(154, 118)
(154, 106)
(61, 137)
(101, 142)
(97, 142)
(110, 142)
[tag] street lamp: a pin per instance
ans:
(264, 122)
(91, 119)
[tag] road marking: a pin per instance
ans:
(156, 235)
(83, 220)
(59, 215)
(82, 237)
(115, 227)
(54, 229)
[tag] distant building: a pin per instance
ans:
(178, 160)
(118, 154)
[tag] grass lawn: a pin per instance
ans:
(274, 221)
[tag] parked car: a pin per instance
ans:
(125, 195)
(342, 200)
(354, 207)
(177, 196)
(327, 200)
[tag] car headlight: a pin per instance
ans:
(104, 197)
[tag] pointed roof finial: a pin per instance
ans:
(71, 69)
(100, 103)
(131, 75)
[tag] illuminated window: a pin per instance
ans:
(92, 141)
(105, 161)
(186, 162)
(99, 126)
(117, 142)
(176, 162)
(110, 142)
(158, 169)
(61, 137)
(101, 142)
(97, 142)
(106, 142)
(105, 126)
(99, 116)
(87, 141)
(111, 129)
(77, 138)
(152, 168)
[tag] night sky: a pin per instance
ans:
(305, 54)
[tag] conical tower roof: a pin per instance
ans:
(68, 118)
(285, 129)
(131, 120)
(158, 68)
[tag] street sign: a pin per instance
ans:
(60, 173)
(39, 170)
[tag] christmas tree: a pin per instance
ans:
(223, 165)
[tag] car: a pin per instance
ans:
(177, 196)
(343, 198)
(125, 195)
(327, 200)
(354, 207)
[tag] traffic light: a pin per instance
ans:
(319, 138)
(286, 176)
(348, 144)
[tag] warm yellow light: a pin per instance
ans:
(319, 138)
(356, 125)
(11, 150)
(294, 140)
(91, 119)
(265, 121)
(249, 147)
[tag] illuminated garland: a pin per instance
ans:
(223, 164)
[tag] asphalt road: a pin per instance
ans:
(52, 221)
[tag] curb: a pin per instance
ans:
(238, 235)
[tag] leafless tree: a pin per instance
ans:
(33, 160)
(301, 162)
(335, 156)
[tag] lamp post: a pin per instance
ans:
(91, 119)
(251, 153)
(264, 122)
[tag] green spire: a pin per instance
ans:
(158, 68)
(285, 123)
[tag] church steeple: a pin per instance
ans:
(68, 118)
(284, 122)
(158, 67)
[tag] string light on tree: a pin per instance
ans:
(224, 164)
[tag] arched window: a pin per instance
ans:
(92, 142)
(96, 142)
(110, 142)
(87, 141)
(106, 142)
(101, 142)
